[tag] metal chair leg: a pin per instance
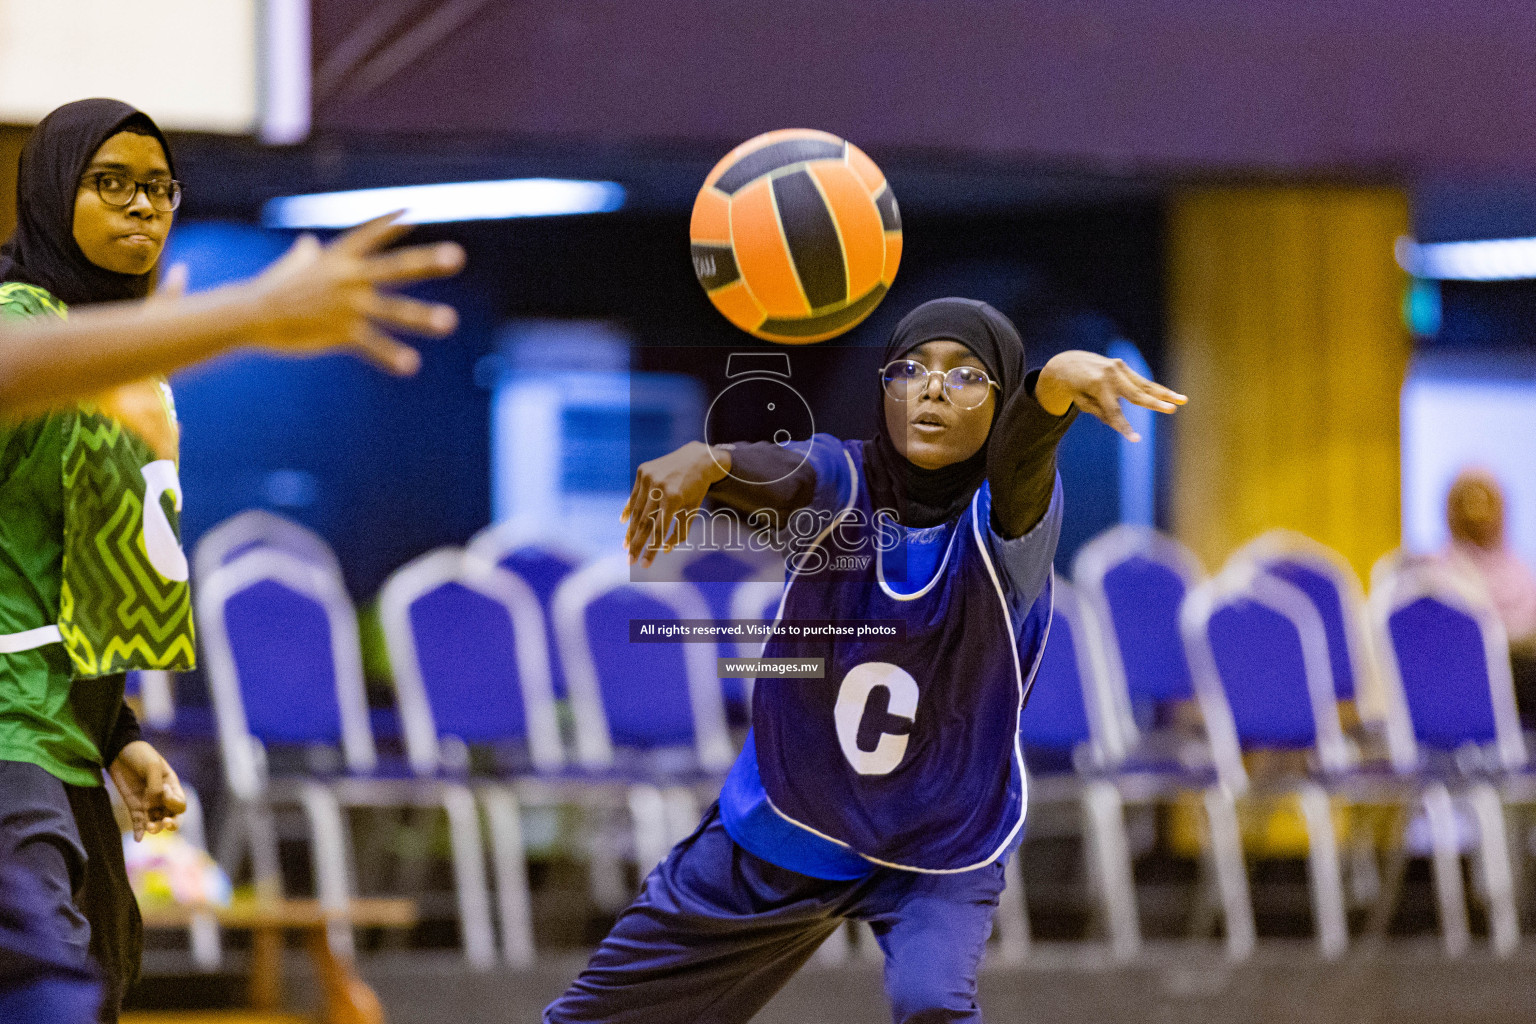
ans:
(1493, 846)
(682, 814)
(1327, 876)
(1364, 886)
(865, 944)
(1396, 857)
(504, 815)
(403, 856)
(474, 897)
(249, 828)
(648, 814)
(333, 884)
(203, 934)
(1111, 861)
(1012, 920)
(611, 842)
(1231, 872)
(834, 952)
(1449, 888)
(157, 696)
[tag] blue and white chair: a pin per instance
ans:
(1136, 578)
(245, 531)
(1084, 717)
(1329, 581)
(1259, 655)
(1452, 729)
(229, 539)
(1334, 590)
(1075, 715)
(540, 560)
(651, 715)
(285, 667)
(467, 645)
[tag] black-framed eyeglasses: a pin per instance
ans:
(966, 387)
(164, 194)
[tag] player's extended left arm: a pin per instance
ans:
(316, 298)
(1021, 454)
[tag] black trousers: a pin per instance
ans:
(67, 839)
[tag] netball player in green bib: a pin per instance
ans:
(93, 580)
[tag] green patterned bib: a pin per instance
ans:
(124, 603)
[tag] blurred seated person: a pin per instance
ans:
(1474, 514)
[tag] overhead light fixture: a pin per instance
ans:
(452, 201)
(1492, 259)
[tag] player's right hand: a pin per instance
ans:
(149, 788)
(323, 297)
(667, 492)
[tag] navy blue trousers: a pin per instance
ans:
(43, 978)
(715, 932)
(66, 840)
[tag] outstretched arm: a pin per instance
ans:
(313, 300)
(1021, 454)
(762, 481)
(666, 492)
(1095, 384)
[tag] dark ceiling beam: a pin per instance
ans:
(408, 47)
(358, 46)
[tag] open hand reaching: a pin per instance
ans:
(1096, 384)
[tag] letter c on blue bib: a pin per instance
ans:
(853, 698)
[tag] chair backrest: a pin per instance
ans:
(1444, 657)
(256, 527)
(538, 559)
(1075, 700)
(757, 598)
(467, 645)
(1394, 561)
(540, 556)
(1258, 653)
(1136, 578)
(1334, 590)
(284, 663)
(716, 573)
(641, 696)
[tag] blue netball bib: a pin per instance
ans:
(906, 753)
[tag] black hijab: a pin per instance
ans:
(43, 251)
(928, 497)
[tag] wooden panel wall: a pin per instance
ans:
(1286, 332)
(11, 140)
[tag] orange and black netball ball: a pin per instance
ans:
(796, 236)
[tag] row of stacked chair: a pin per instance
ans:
(487, 641)
(1269, 650)
(482, 641)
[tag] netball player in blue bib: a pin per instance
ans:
(891, 790)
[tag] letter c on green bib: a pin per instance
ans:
(160, 543)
